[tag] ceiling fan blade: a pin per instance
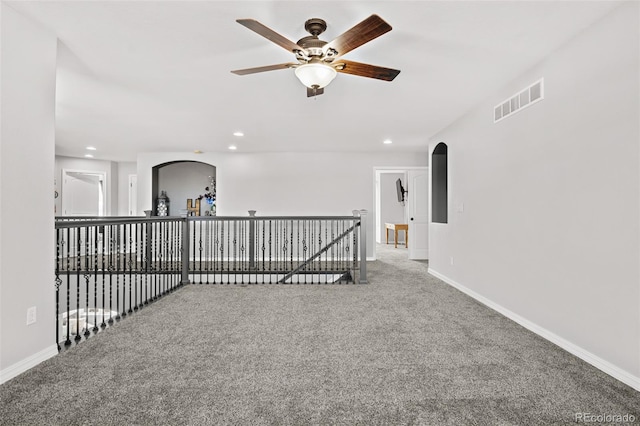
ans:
(365, 70)
(372, 27)
(269, 34)
(315, 91)
(263, 69)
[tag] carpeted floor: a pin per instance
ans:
(404, 349)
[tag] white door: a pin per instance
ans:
(133, 195)
(82, 194)
(418, 209)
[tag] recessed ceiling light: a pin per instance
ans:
(197, 151)
(239, 134)
(88, 155)
(233, 147)
(387, 142)
(91, 148)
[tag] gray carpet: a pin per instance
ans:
(404, 349)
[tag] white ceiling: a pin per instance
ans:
(154, 75)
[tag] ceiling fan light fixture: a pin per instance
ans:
(315, 75)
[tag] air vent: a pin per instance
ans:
(519, 101)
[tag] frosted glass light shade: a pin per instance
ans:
(318, 75)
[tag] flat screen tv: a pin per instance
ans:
(400, 190)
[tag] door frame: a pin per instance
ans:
(102, 175)
(377, 171)
(133, 195)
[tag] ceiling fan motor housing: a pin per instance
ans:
(315, 26)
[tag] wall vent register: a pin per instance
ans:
(519, 101)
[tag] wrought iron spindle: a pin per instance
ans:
(103, 325)
(137, 247)
(58, 282)
(122, 257)
(128, 257)
(95, 280)
(207, 251)
(68, 243)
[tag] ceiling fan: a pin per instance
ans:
(318, 62)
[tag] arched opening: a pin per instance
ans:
(439, 185)
(180, 181)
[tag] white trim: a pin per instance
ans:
(601, 364)
(27, 363)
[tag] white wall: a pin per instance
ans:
(318, 183)
(26, 193)
(550, 227)
(124, 170)
(391, 210)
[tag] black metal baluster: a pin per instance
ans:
(58, 282)
(333, 248)
(355, 251)
(122, 255)
(298, 250)
(111, 268)
(161, 261)
(153, 262)
(305, 249)
(263, 224)
(137, 247)
(130, 266)
(95, 279)
(200, 251)
(242, 247)
(87, 277)
(172, 268)
(78, 272)
(223, 251)
(177, 250)
(169, 262)
(165, 257)
(291, 246)
(326, 253)
(235, 251)
(146, 256)
(177, 281)
(270, 241)
(118, 269)
(206, 250)
(312, 245)
(103, 325)
(68, 313)
(215, 249)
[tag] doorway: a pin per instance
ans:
(133, 195)
(84, 193)
(387, 198)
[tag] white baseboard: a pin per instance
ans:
(601, 364)
(27, 363)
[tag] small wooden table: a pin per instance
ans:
(397, 227)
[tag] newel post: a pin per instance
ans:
(185, 250)
(362, 214)
(252, 239)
